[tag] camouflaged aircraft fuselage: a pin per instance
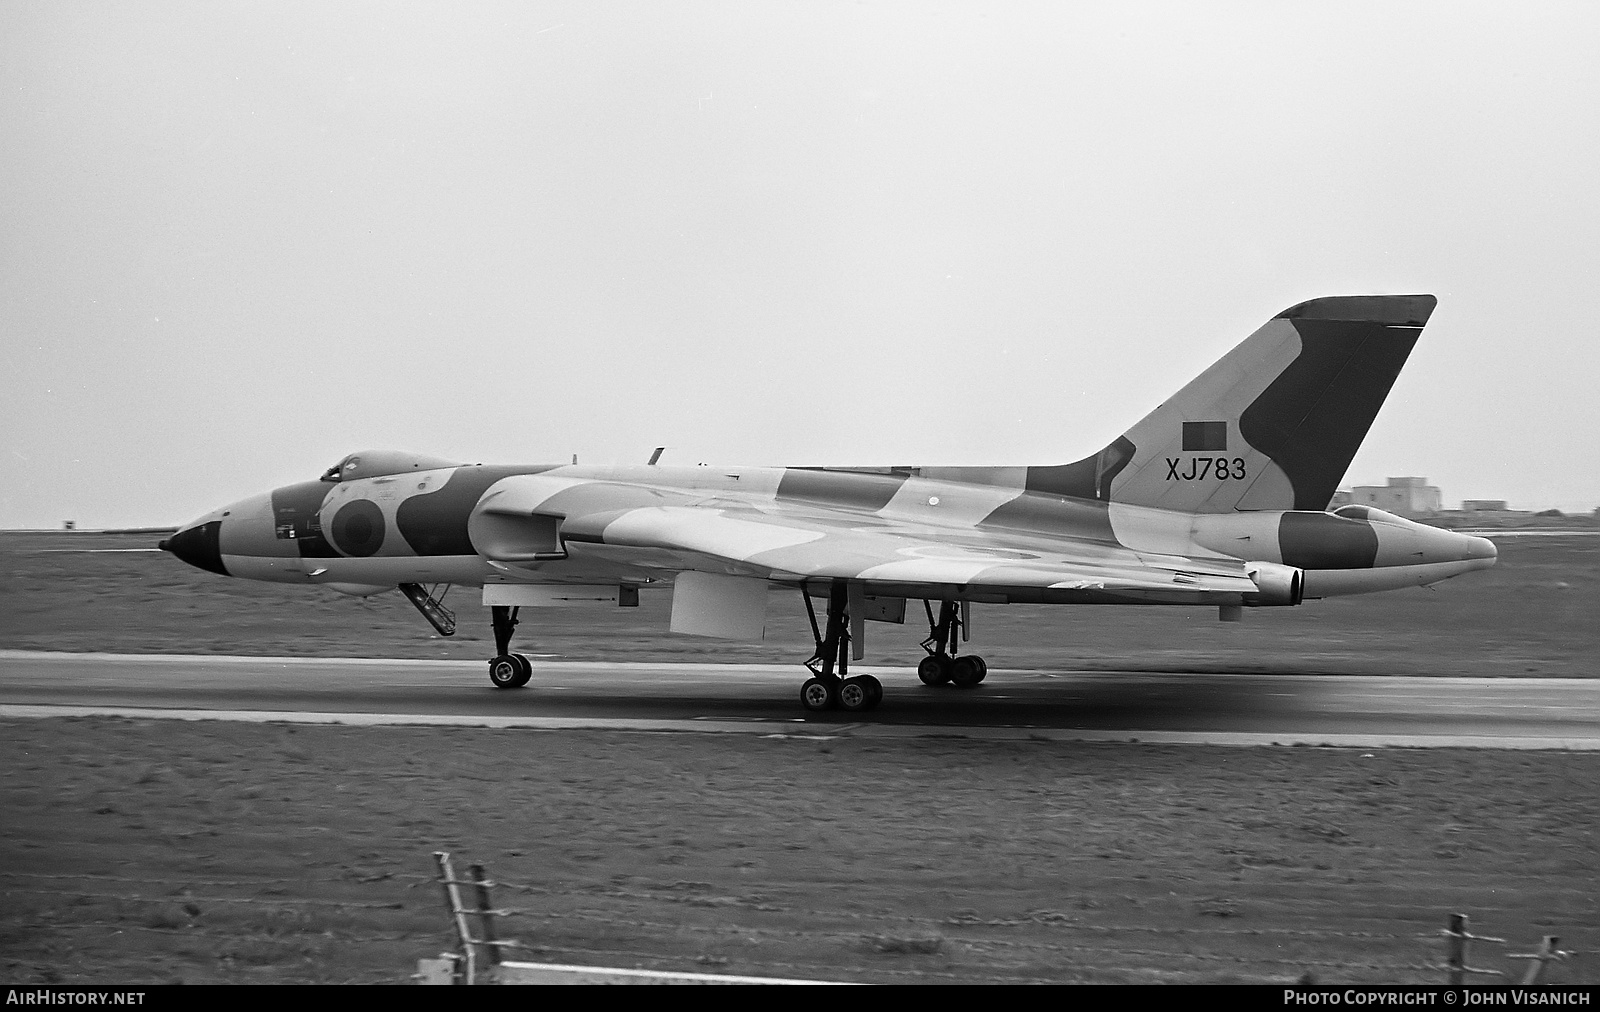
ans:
(913, 532)
(1215, 498)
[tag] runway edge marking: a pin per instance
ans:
(790, 729)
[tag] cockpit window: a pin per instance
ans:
(378, 463)
(1356, 511)
(345, 468)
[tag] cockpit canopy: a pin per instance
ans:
(377, 463)
(1356, 511)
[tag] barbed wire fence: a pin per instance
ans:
(477, 927)
(482, 949)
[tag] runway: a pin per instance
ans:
(1198, 708)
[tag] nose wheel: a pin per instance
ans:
(510, 671)
(507, 670)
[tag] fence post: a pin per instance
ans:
(486, 915)
(1547, 953)
(1456, 956)
(458, 914)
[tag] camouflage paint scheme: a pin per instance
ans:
(1215, 498)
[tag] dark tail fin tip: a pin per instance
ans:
(1390, 310)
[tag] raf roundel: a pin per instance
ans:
(358, 528)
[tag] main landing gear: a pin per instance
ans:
(507, 670)
(830, 688)
(942, 666)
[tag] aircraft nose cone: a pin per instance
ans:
(200, 546)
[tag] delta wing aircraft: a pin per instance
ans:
(1216, 498)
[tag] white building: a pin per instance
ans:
(1408, 497)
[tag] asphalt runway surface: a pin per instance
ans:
(1200, 708)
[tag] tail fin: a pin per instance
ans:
(1272, 426)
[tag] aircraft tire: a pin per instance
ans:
(934, 669)
(504, 671)
(524, 670)
(860, 693)
(966, 672)
(983, 667)
(877, 691)
(817, 695)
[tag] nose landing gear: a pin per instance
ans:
(507, 670)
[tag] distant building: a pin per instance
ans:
(1483, 505)
(1408, 497)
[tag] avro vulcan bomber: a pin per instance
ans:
(1217, 498)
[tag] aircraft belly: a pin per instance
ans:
(391, 571)
(551, 595)
(1340, 582)
(268, 568)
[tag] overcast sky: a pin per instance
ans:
(238, 241)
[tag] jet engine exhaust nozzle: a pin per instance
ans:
(1280, 586)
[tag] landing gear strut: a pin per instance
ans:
(942, 666)
(507, 670)
(829, 688)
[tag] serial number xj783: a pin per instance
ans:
(1202, 467)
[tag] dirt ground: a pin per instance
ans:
(155, 851)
